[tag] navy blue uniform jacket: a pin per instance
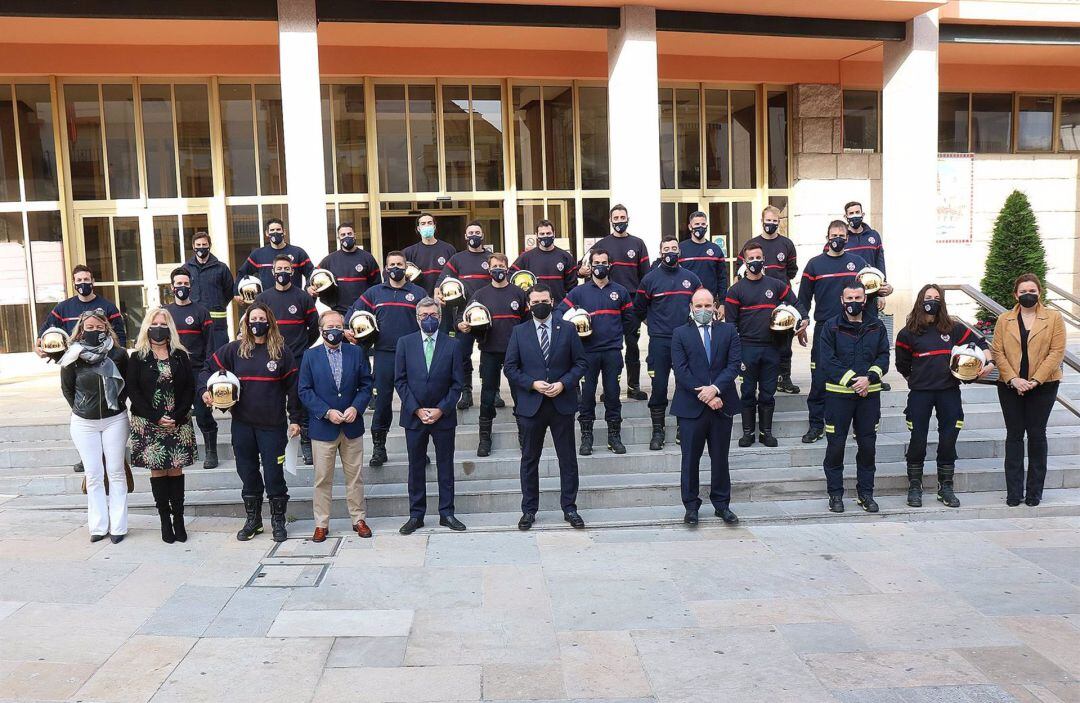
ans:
(420, 387)
(693, 370)
(319, 394)
(524, 364)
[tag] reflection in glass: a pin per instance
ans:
(487, 134)
(742, 221)
(528, 147)
(1035, 128)
(47, 256)
(778, 140)
(9, 158)
(158, 146)
(132, 304)
(423, 138)
(668, 226)
(743, 139)
(238, 139)
(456, 151)
(33, 110)
(991, 123)
(688, 143)
(193, 137)
(667, 138)
(717, 139)
(126, 240)
(327, 139)
(720, 226)
(593, 120)
(953, 123)
(245, 232)
(167, 240)
(392, 138)
(559, 136)
(350, 137)
(861, 119)
(97, 244)
(1069, 127)
(119, 110)
(84, 141)
(16, 332)
(270, 131)
(594, 221)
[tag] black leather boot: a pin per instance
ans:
(465, 401)
(749, 417)
(914, 485)
(658, 435)
(586, 438)
(378, 448)
(210, 461)
(784, 385)
(765, 436)
(945, 487)
(484, 447)
(159, 486)
(614, 437)
(277, 517)
(176, 500)
(305, 449)
(253, 526)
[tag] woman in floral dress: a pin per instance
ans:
(161, 387)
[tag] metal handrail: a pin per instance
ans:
(992, 305)
(1062, 292)
(1068, 315)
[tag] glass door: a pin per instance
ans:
(112, 247)
(172, 245)
(732, 223)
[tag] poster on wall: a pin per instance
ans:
(954, 187)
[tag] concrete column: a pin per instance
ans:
(909, 157)
(634, 121)
(301, 107)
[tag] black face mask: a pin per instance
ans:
(932, 306)
(699, 232)
(202, 253)
(93, 338)
(347, 243)
(853, 308)
(259, 329)
(670, 259)
(1028, 300)
(620, 227)
(498, 275)
(547, 242)
(283, 277)
(837, 244)
(855, 221)
(276, 238)
(475, 241)
(181, 292)
(333, 335)
(158, 334)
(755, 267)
(541, 311)
(84, 288)
(770, 227)
(396, 273)
(601, 271)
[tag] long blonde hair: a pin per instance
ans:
(77, 332)
(275, 343)
(142, 342)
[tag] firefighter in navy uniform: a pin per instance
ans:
(67, 312)
(212, 286)
(429, 254)
(552, 266)
(923, 353)
(508, 307)
(612, 317)
(822, 285)
(355, 270)
(393, 304)
(298, 322)
(854, 356)
(471, 268)
(628, 264)
(703, 257)
(260, 262)
(749, 305)
(865, 241)
(662, 303)
(196, 328)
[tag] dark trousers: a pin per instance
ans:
(948, 407)
(491, 366)
(785, 352)
(760, 372)
(1026, 414)
(609, 363)
(633, 356)
(534, 429)
(416, 442)
(843, 411)
(384, 390)
(659, 362)
(220, 336)
(450, 318)
(204, 414)
(712, 428)
(266, 445)
(815, 400)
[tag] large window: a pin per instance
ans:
(1035, 123)
(101, 130)
(725, 140)
(544, 137)
(253, 139)
(1001, 123)
(1069, 124)
(176, 140)
(862, 120)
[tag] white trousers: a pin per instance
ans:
(94, 439)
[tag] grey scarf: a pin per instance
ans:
(98, 361)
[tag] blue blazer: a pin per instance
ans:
(418, 387)
(319, 394)
(524, 364)
(692, 369)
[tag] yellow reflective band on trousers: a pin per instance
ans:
(830, 428)
(281, 459)
(837, 388)
(219, 315)
(910, 426)
(959, 424)
(813, 366)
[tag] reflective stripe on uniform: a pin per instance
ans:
(910, 426)
(837, 388)
(219, 315)
(877, 370)
(847, 377)
(959, 424)
(830, 429)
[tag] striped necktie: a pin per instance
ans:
(545, 341)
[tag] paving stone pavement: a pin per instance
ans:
(964, 611)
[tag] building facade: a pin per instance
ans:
(123, 130)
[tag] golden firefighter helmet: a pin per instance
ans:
(966, 362)
(321, 280)
(412, 271)
(872, 279)
(364, 327)
(224, 388)
(477, 317)
(784, 318)
(452, 291)
(249, 287)
(523, 279)
(580, 319)
(54, 342)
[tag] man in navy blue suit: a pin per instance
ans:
(705, 356)
(335, 388)
(544, 361)
(428, 377)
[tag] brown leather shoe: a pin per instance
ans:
(362, 529)
(320, 534)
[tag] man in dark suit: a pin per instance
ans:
(705, 356)
(428, 377)
(544, 361)
(335, 388)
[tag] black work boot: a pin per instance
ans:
(378, 448)
(749, 417)
(658, 434)
(633, 382)
(466, 398)
(305, 449)
(914, 485)
(635, 393)
(614, 437)
(813, 434)
(253, 526)
(784, 385)
(765, 436)
(210, 461)
(586, 438)
(866, 502)
(484, 447)
(277, 517)
(159, 486)
(176, 501)
(945, 487)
